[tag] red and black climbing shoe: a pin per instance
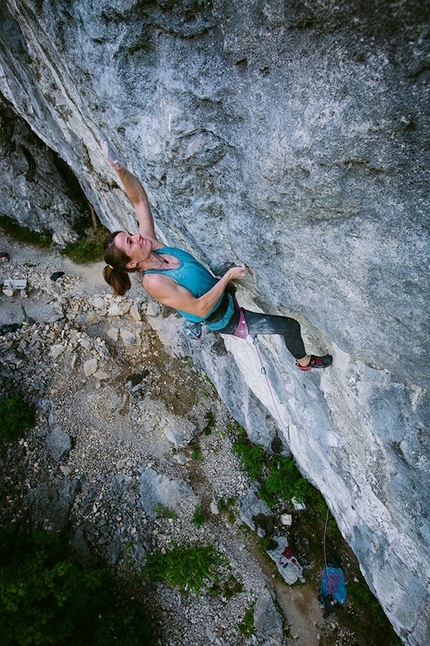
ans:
(317, 362)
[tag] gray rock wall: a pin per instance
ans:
(38, 189)
(291, 136)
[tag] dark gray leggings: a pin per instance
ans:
(268, 324)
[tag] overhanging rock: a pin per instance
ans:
(290, 137)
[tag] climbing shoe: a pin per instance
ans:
(317, 362)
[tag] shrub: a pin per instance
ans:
(16, 417)
(285, 481)
(199, 518)
(89, 249)
(23, 234)
(303, 490)
(48, 598)
(246, 627)
(252, 457)
(278, 475)
(188, 569)
(161, 510)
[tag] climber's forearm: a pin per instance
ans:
(138, 197)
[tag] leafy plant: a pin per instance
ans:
(246, 627)
(228, 506)
(252, 457)
(285, 481)
(195, 451)
(278, 476)
(48, 598)
(225, 504)
(360, 595)
(302, 490)
(16, 417)
(188, 569)
(210, 419)
(199, 517)
(24, 234)
(161, 510)
(89, 249)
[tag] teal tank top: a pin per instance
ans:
(192, 275)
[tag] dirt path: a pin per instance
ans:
(303, 612)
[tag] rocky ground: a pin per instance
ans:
(125, 431)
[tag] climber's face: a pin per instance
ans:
(136, 247)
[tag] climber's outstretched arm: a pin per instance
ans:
(135, 192)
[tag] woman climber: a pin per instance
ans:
(175, 278)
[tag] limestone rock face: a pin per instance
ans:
(290, 136)
(37, 190)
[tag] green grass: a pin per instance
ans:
(161, 510)
(278, 476)
(246, 626)
(16, 417)
(200, 516)
(23, 234)
(89, 249)
(189, 569)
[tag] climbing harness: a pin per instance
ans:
(242, 327)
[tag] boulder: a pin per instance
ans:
(58, 443)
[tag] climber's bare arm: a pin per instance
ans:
(135, 192)
(166, 291)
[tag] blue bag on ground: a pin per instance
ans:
(332, 593)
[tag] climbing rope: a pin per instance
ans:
(255, 342)
(264, 372)
(325, 535)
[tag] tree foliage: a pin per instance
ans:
(16, 417)
(46, 597)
